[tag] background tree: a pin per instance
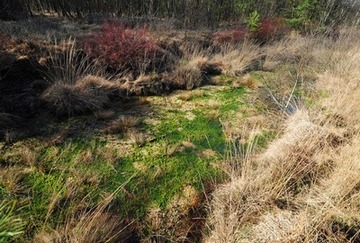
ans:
(191, 13)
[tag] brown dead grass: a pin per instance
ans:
(92, 226)
(122, 124)
(104, 115)
(304, 186)
(237, 60)
(247, 81)
(68, 100)
(98, 86)
(187, 77)
(143, 85)
(83, 223)
(174, 223)
(88, 94)
(194, 69)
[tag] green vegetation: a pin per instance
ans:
(185, 151)
(11, 226)
(138, 129)
(253, 22)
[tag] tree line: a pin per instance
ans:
(191, 13)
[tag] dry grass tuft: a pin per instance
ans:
(188, 144)
(98, 86)
(247, 81)
(194, 68)
(143, 85)
(67, 64)
(187, 77)
(76, 83)
(214, 114)
(136, 138)
(279, 226)
(189, 95)
(88, 94)
(91, 226)
(103, 115)
(68, 100)
(122, 124)
(238, 60)
(232, 207)
(208, 153)
(27, 156)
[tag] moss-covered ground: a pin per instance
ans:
(180, 142)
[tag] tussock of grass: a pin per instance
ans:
(67, 64)
(189, 73)
(76, 85)
(291, 49)
(247, 81)
(94, 225)
(69, 100)
(98, 86)
(89, 94)
(144, 85)
(188, 77)
(238, 60)
(121, 124)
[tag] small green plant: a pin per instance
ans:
(10, 226)
(306, 16)
(253, 22)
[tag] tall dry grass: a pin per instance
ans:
(190, 71)
(67, 63)
(77, 85)
(235, 60)
(305, 186)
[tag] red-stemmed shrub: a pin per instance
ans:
(230, 36)
(122, 48)
(270, 29)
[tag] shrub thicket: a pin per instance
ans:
(122, 48)
(270, 29)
